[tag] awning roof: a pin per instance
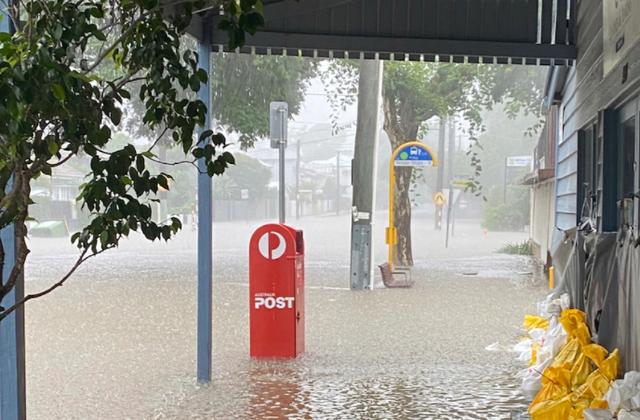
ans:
(488, 31)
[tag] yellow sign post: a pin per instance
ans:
(410, 154)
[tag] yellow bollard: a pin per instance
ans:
(552, 273)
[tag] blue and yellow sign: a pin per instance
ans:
(414, 154)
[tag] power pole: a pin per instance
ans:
(440, 179)
(363, 173)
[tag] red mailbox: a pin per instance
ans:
(276, 292)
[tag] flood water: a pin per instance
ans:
(119, 340)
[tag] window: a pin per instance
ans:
(627, 165)
(589, 163)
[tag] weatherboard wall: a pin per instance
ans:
(586, 92)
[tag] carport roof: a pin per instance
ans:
(487, 31)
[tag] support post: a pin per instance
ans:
(12, 354)
(363, 170)
(205, 234)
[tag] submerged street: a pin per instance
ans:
(118, 340)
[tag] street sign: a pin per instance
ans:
(415, 155)
(278, 122)
(518, 161)
(438, 199)
(460, 183)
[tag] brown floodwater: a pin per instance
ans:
(118, 341)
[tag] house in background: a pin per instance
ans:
(55, 196)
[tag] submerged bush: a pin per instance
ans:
(515, 248)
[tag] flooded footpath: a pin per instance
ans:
(118, 342)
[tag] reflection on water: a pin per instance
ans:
(277, 390)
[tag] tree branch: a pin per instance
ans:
(81, 259)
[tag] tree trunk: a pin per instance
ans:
(400, 133)
(402, 208)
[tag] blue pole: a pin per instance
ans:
(205, 240)
(12, 379)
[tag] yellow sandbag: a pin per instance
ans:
(534, 321)
(552, 410)
(610, 365)
(568, 354)
(599, 404)
(534, 354)
(555, 383)
(570, 319)
(598, 384)
(582, 334)
(596, 353)
(579, 407)
(580, 371)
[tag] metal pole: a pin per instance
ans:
(282, 154)
(446, 244)
(504, 188)
(338, 184)
(12, 354)
(205, 235)
(440, 179)
(450, 203)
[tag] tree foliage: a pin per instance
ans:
(67, 73)
(244, 85)
(415, 92)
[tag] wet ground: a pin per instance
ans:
(118, 341)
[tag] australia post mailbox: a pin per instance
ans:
(276, 292)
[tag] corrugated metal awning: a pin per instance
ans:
(476, 31)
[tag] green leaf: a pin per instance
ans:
(53, 147)
(58, 92)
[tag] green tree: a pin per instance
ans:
(250, 174)
(66, 76)
(244, 85)
(415, 92)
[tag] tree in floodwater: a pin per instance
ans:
(67, 73)
(413, 93)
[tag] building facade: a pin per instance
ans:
(595, 246)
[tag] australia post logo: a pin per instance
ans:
(272, 245)
(271, 301)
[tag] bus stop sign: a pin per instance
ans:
(414, 155)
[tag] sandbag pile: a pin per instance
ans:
(623, 400)
(568, 373)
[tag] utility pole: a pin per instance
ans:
(363, 173)
(440, 179)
